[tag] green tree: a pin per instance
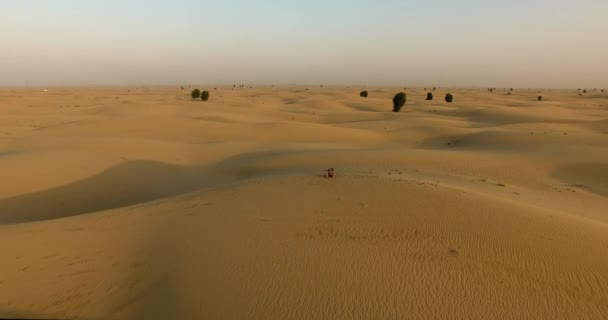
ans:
(449, 98)
(196, 93)
(205, 95)
(399, 101)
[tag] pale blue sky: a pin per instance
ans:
(533, 43)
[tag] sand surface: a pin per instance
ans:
(139, 203)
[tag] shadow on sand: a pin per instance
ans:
(590, 176)
(126, 184)
(135, 182)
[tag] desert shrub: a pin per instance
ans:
(205, 95)
(363, 94)
(196, 93)
(449, 98)
(584, 91)
(434, 88)
(509, 93)
(540, 98)
(429, 96)
(399, 101)
(511, 89)
(182, 88)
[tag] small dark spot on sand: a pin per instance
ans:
(453, 142)
(453, 252)
(501, 184)
(582, 186)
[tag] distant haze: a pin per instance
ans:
(533, 43)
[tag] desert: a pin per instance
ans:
(140, 202)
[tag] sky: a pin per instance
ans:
(532, 43)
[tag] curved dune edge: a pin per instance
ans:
(350, 247)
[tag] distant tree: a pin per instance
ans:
(196, 93)
(509, 93)
(429, 96)
(449, 98)
(363, 94)
(205, 95)
(584, 91)
(434, 88)
(511, 89)
(424, 89)
(540, 98)
(399, 101)
(182, 88)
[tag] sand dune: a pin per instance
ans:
(139, 203)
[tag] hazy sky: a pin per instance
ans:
(514, 43)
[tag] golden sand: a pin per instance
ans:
(139, 203)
